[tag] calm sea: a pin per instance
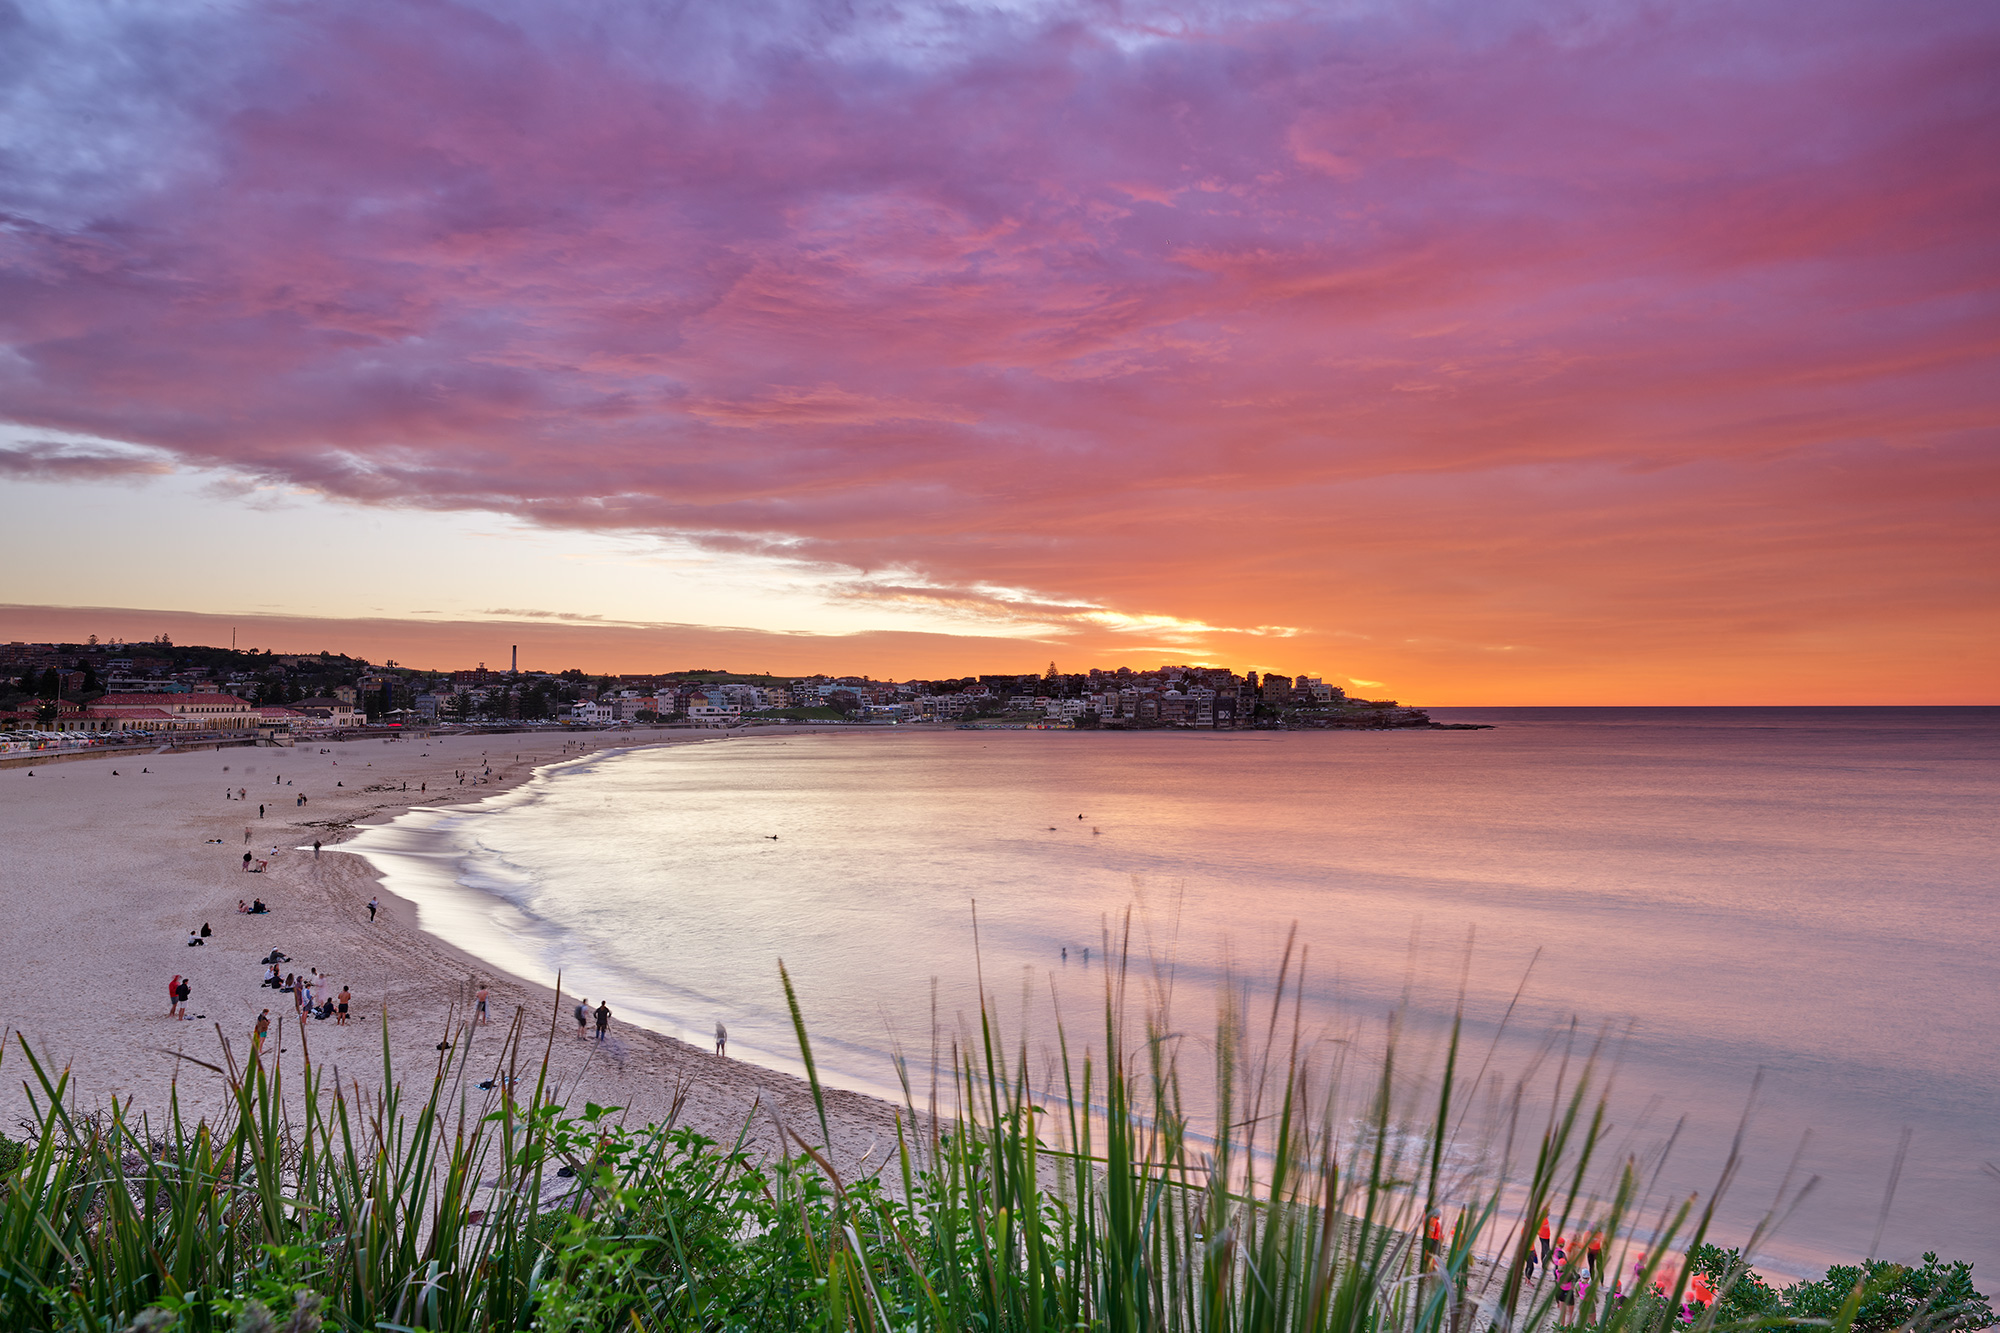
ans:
(1808, 892)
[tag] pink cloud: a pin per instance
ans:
(1203, 324)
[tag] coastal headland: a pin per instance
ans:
(113, 861)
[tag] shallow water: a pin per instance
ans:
(1806, 892)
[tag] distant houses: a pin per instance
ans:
(162, 687)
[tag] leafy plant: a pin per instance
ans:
(1937, 1295)
(1092, 1198)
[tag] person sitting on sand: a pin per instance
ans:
(194, 941)
(242, 906)
(205, 931)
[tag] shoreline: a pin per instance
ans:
(115, 861)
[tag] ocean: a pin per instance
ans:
(1798, 899)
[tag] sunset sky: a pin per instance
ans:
(1476, 352)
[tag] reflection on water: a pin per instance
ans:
(1804, 891)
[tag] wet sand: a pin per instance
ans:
(108, 867)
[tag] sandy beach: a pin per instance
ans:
(112, 861)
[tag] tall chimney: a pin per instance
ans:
(515, 669)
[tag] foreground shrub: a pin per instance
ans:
(1092, 1200)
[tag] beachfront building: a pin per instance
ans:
(172, 712)
(706, 714)
(275, 718)
(325, 711)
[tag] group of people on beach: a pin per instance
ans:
(308, 991)
(585, 1014)
(1555, 1257)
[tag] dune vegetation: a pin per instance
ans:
(1082, 1196)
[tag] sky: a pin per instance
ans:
(1492, 352)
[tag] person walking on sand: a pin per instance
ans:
(315, 849)
(582, 1017)
(374, 905)
(603, 1018)
(174, 997)
(479, 1008)
(721, 1039)
(341, 1001)
(185, 989)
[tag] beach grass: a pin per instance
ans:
(1066, 1190)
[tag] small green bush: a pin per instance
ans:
(1090, 1201)
(1937, 1296)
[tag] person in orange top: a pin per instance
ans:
(1543, 1236)
(1433, 1238)
(1594, 1255)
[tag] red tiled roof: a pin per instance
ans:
(177, 700)
(144, 714)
